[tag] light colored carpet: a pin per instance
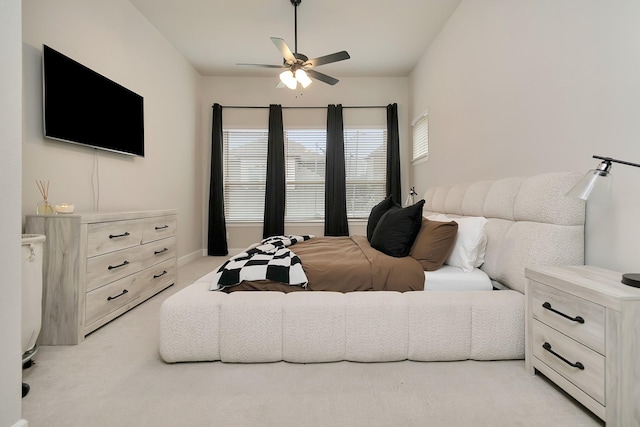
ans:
(116, 378)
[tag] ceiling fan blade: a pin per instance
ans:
(284, 49)
(264, 65)
(327, 59)
(322, 77)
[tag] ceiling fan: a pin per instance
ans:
(298, 67)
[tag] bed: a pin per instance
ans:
(527, 221)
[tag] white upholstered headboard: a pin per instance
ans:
(530, 221)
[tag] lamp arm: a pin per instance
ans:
(609, 159)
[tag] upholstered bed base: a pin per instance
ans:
(305, 327)
(530, 222)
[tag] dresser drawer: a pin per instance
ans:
(590, 331)
(106, 299)
(591, 379)
(159, 228)
(104, 269)
(111, 236)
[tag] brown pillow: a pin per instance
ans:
(434, 243)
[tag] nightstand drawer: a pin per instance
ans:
(578, 318)
(550, 347)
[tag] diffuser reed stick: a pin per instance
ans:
(44, 189)
(44, 208)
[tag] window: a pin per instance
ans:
(245, 154)
(245, 171)
(365, 152)
(305, 154)
(421, 137)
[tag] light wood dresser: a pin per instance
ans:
(97, 266)
(583, 333)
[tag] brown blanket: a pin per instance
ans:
(346, 264)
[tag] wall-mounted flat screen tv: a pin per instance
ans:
(86, 108)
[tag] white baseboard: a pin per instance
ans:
(200, 253)
(21, 423)
(188, 258)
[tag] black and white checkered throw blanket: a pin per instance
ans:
(270, 260)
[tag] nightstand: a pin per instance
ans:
(583, 333)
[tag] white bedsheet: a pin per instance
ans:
(449, 278)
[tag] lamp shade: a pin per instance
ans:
(594, 185)
(302, 78)
(288, 79)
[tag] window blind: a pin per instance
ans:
(421, 137)
(366, 169)
(305, 156)
(306, 152)
(245, 171)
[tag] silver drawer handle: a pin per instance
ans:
(578, 365)
(575, 319)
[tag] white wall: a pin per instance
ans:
(114, 39)
(10, 289)
(524, 87)
(246, 91)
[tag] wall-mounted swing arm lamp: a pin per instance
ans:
(595, 185)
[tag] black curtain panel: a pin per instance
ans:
(393, 154)
(335, 193)
(217, 240)
(274, 199)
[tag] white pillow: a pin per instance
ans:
(471, 242)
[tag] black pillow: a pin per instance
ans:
(397, 230)
(376, 213)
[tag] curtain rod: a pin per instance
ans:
(353, 106)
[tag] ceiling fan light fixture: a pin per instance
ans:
(301, 69)
(289, 79)
(302, 78)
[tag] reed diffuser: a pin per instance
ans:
(44, 208)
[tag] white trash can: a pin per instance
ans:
(31, 293)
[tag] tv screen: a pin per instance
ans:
(86, 108)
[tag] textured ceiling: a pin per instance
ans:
(383, 38)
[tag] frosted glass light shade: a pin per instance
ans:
(288, 79)
(302, 78)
